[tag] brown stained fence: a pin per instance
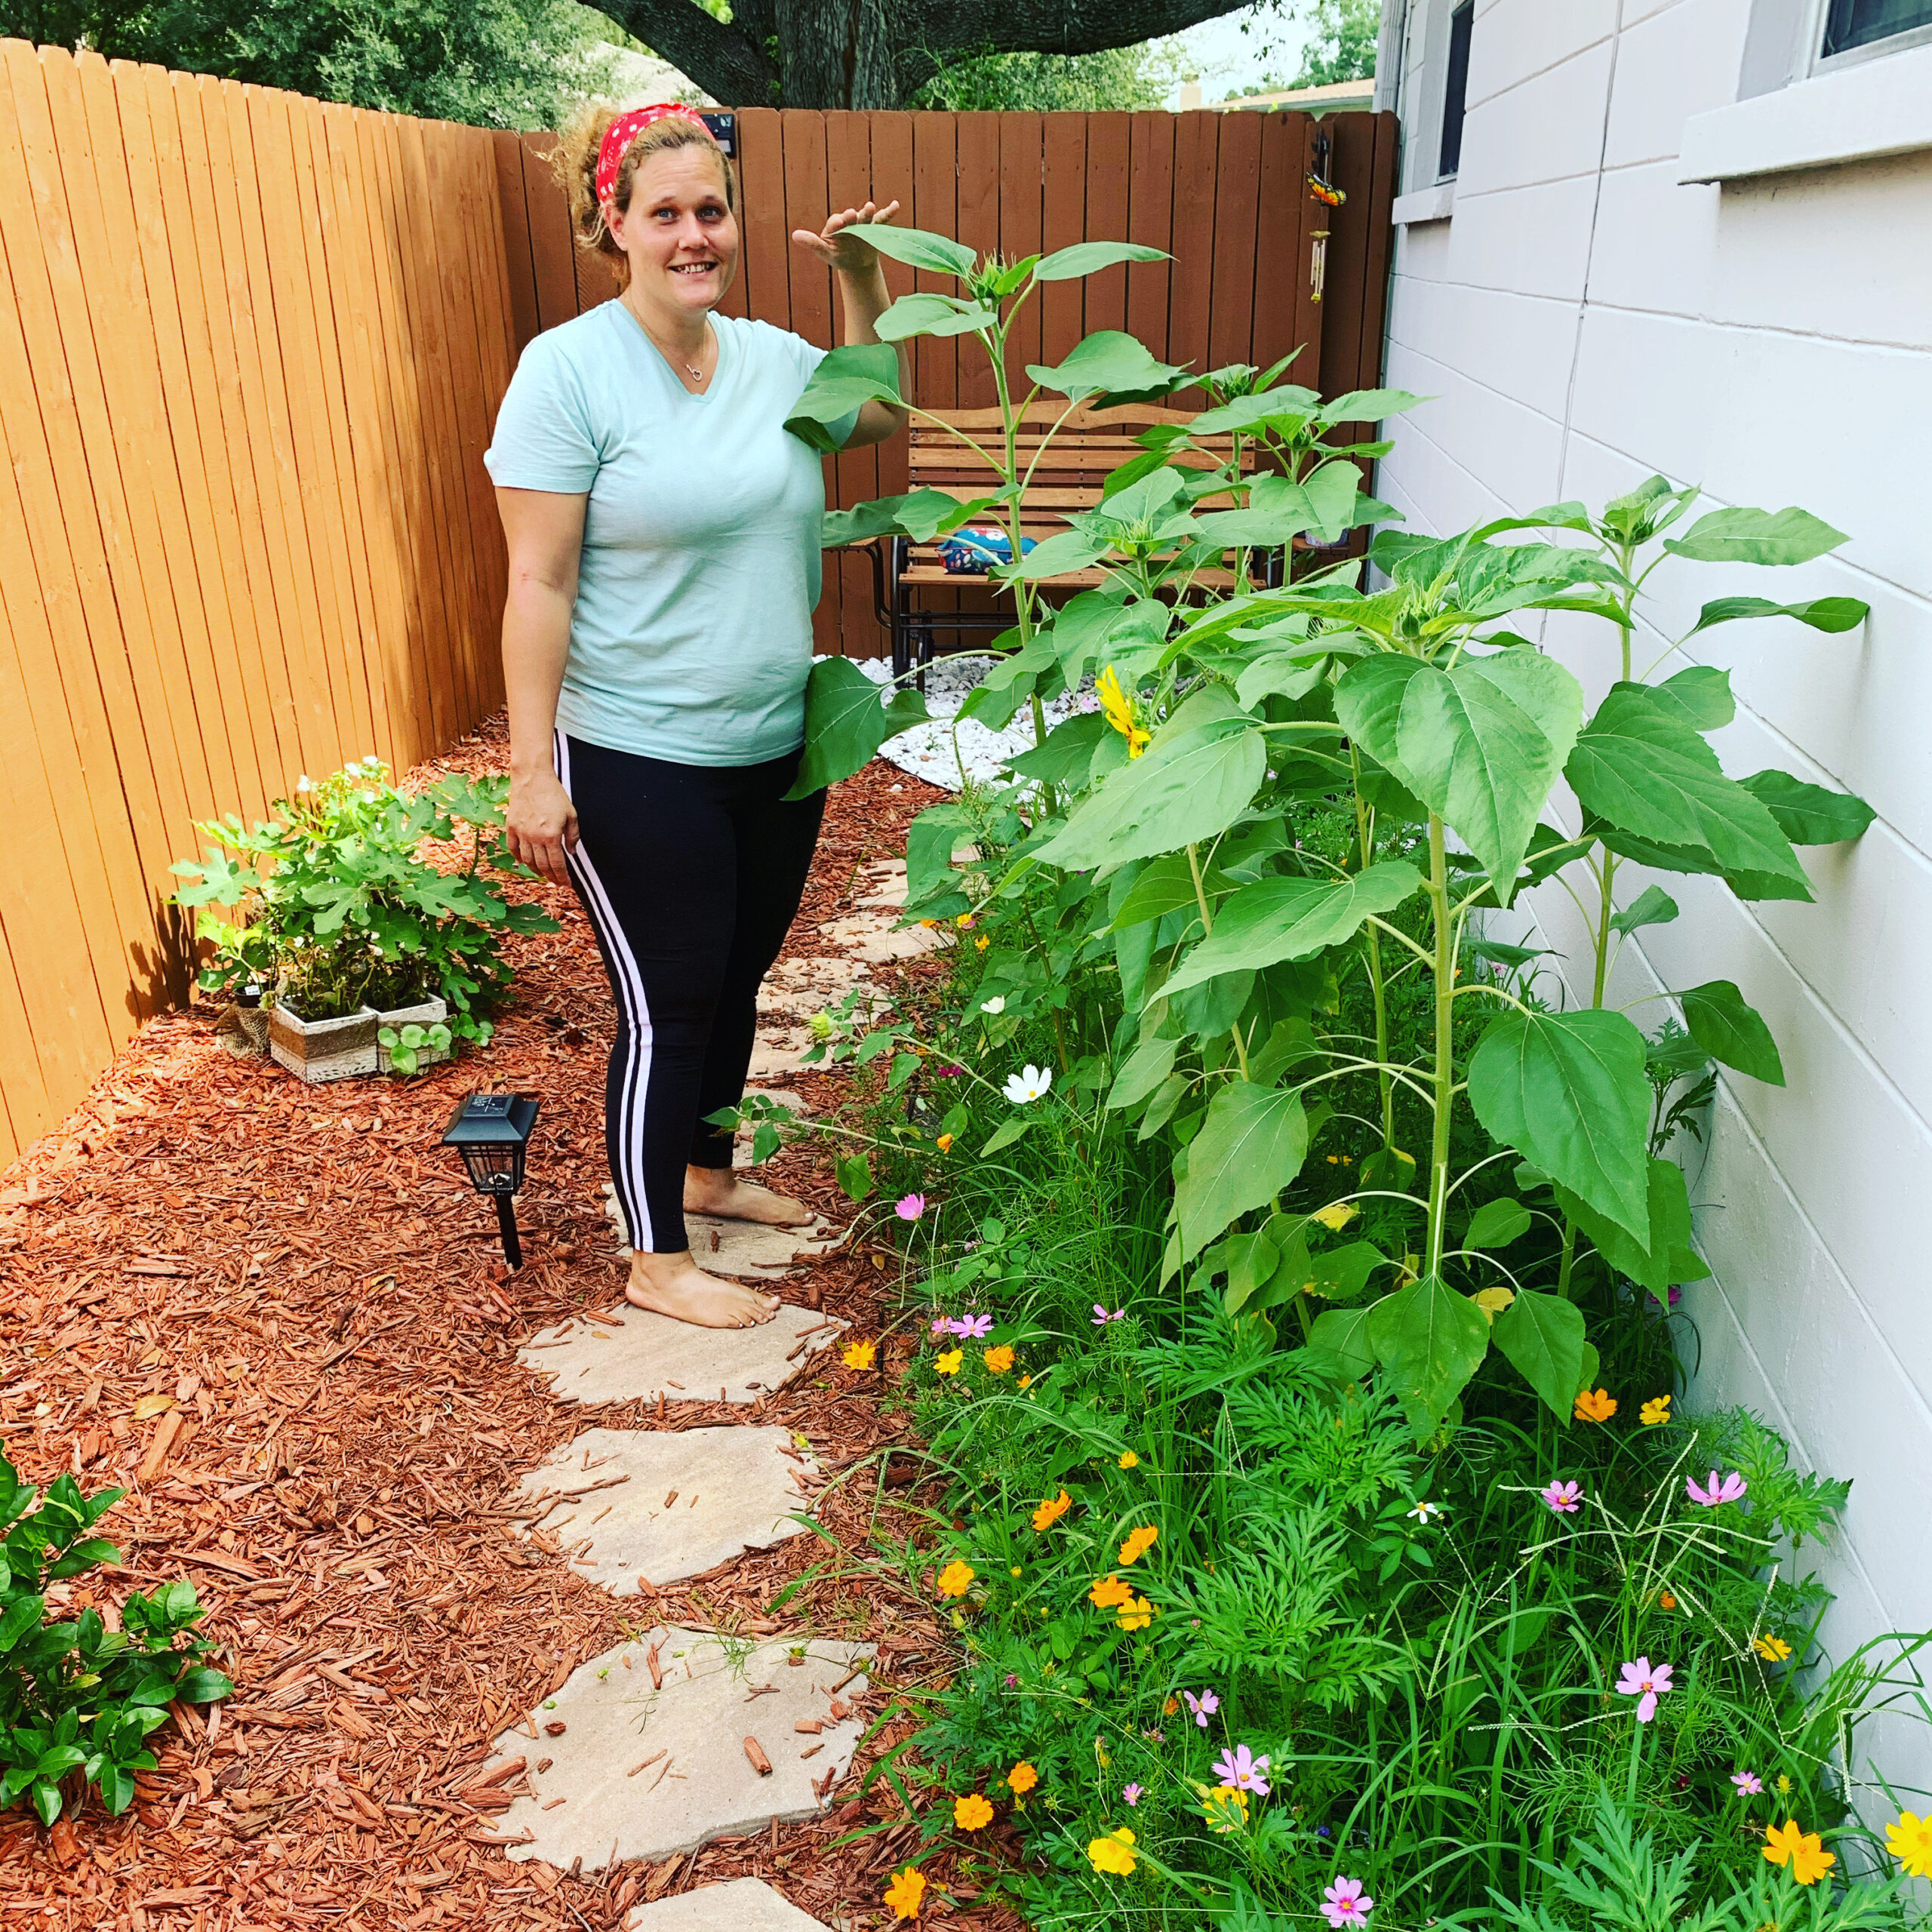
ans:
(1226, 194)
(251, 348)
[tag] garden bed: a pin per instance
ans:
(301, 1281)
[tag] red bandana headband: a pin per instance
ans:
(618, 136)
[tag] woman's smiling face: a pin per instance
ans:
(679, 234)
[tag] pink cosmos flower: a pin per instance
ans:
(1132, 1794)
(1202, 1708)
(1343, 1904)
(911, 1207)
(1242, 1769)
(951, 1073)
(942, 1325)
(970, 1327)
(1563, 1497)
(1715, 1492)
(1748, 1783)
(1101, 1318)
(1646, 1684)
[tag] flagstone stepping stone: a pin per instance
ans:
(646, 1770)
(776, 1050)
(747, 1249)
(743, 1905)
(887, 878)
(796, 989)
(635, 1354)
(670, 1505)
(872, 936)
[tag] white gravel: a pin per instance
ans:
(926, 750)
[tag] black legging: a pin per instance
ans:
(691, 874)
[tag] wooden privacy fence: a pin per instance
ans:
(251, 349)
(1226, 194)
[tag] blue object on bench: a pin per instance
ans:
(970, 551)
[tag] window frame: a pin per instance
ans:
(1454, 112)
(1818, 17)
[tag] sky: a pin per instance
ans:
(1228, 59)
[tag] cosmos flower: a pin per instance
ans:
(1132, 1794)
(1109, 1593)
(1910, 1842)
(859, 1355)
(1202, 1708)
(1023, 1777)
(1656, 1410)
(905, 1892)
(1646, 1683)
(972, 1812)
(1565, 1498)
(955, 1579)
(1128, 1460)
(997, 1004)
(1050, 1513)
(1748, 1783)
(998, 1360)
(909, 1206)
(1773, 1650)
(1595, 1405)
(1343, 1904)
(948, 1364)
(1240, 1768)
(1803, 1851)
(970, 1327)
(1138, 1542)
(1101, 1318)
(1715, 1492)
(1114, 1853)
(1029, 1083)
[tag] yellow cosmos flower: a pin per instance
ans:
(905, 1892)
(999, 1360)
(954, 1579)
(964, 920)
(1114, 1853)
(1129, 1461)
(1336, 1216)
(1773, 1650)
(859, 1355)
(1023, 1777)
(948, 1363)
(1910, 1842)
(943, 1142)
(1138, 1543)
(980, 944)
(1136, 1614)
(1109, 1593)
(1596, 1405)
(1804, 1851)
(1225, 1808)
(1493, 1301)
(1025, 1382)
(1656, 1410)
(972, 1812)
(1048, 1514)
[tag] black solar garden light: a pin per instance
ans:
(491, 1132)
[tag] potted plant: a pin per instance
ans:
(337, 903)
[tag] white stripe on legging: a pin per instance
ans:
(629, 1136)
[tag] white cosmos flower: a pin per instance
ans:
(996, 1004)
(1028, 1084)
(304, 784)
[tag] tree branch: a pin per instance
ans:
(727, 63)
(1064, 26)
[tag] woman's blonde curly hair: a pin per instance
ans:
(576, 162)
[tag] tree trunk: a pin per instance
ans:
(839, 53)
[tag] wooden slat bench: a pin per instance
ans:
(909, 579)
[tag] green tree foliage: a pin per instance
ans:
(1120, 77)
(509, 63)
(1342, 43)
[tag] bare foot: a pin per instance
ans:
(719, 1191)
(674, 1284)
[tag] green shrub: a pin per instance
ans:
(77, 1700)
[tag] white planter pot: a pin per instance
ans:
(429, 1013)
(319, 1050)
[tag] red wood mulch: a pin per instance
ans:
(303, 1271)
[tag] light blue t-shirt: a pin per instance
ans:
(691, 637)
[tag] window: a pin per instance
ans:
(1456, 89)
(1854, 23)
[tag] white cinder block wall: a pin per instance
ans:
(1584, 319)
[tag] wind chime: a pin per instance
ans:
(1325, 192)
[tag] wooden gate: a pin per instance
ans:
(1226, 194)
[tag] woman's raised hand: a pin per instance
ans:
(837, 249)
(541, 824)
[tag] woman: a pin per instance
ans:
(663, 534)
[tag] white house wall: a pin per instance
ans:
(1583, 321)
